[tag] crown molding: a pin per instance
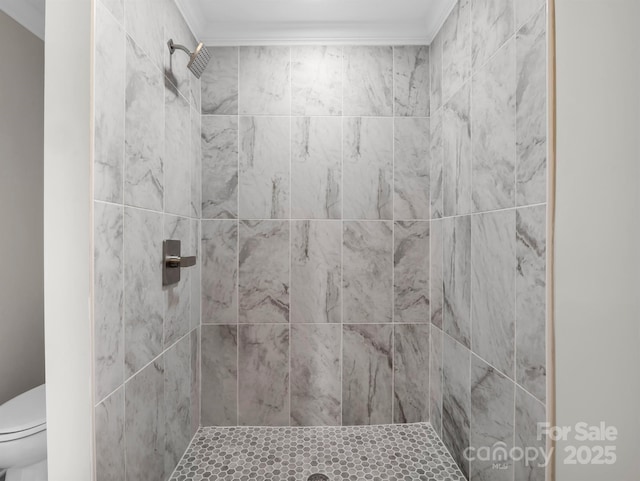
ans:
(439, 17)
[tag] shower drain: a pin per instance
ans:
(318, 477)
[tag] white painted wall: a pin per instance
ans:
(67, 233)
(21, 171)
(598, 228)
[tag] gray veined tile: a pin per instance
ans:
(530, 413)
(525, 9)
(144, 131)
(175, 66)
(315, 375)
(316, 283)
(264, 271)
(196, 272)
(435, 73)
(492, 23)
(368, 168)
(219, 271)
(110, 67)
(456, 142)
(219, 398)
(367, 272)
(195, 92)
(367, 374)
(493, 122)
(368, 80)
(411, 168)
(531, 112)
(456, 48)
(177, 162)
(143, 312)
(144, 22)
(194, 346)
(492, 414)
(109, 438)
(411, 80)
(265, 86)
(264, 167)
(145, 424)
(456, 401)
(435, 380)
(177, 399)
(411, 373)
(219, 167)
(177, 297)
(436, 148)
(263, 373)
(436, 268)
(316, 167)
(456, 274)
(220, 82)
(116, 8)
(316, 80)
(493, 288)
(531, 300)
(411, 272)
(108, 301)
(196, 164)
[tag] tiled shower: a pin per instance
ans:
(369, 224)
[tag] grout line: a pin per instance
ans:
(290, 223)
(237, 260)
(342, 323)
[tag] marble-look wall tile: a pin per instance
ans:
(368, 168)
(177, 160)
(265, 81)
(220, 82)
(196, 273)
(315, 375)
(368, 80)
(316, 167)
(411, 271)
(435, 73)
(493, 122)
(116, 8)
(194, 345)
(110, 67)
(196, 93)
(196, 164)
(531, 300)
(529, 414)
(411, 80)
(491, 419)
(436, 269)
(411, 373)
(316, 80)
(144, 428)
(492, 23)
(177, 297)
(177, 399)
(367, 272)
(219, 272)
(456, 400)
(143, 313)
(316, 266)
(263, 372)
(457, 165)
(264, 271)
(531, 112)
(456, 315)
(144, 22)
(109, 429)
(144, 130)
(412, 152)
(435, 380)
(436, 149)
(525, 9)
(493, 278)
(219, 375)
(219, 167)
(175, 66)
(456, 48)
(367, 374)
(264, 167)
(108, 300)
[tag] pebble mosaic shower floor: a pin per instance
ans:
(401, 452)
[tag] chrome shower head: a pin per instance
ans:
(198, 60)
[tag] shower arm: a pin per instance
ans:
(174, 46)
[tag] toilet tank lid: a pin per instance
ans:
(24, 412)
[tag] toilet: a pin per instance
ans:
(23, 437)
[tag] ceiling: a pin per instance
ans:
(28, 13)
(248, 22)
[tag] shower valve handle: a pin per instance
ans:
(177, 261)
(173, 262)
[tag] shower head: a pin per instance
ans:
(198, 60)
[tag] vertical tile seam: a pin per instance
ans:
(237, 259)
